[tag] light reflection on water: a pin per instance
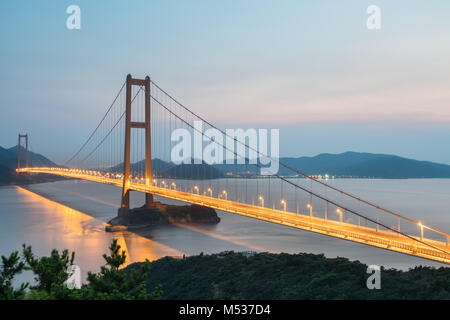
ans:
(45, 224)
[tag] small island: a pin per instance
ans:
(159, 214)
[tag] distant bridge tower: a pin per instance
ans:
(19, 150)
(125, 204)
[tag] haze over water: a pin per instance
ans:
(76, 216)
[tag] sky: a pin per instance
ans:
(309, 68)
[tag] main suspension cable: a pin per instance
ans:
(95, 130)
(107, 135)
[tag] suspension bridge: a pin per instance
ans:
(132, 148)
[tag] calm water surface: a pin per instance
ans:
(72, 215)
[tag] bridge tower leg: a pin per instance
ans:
(19, 150)
(148, 144)
(18, 153)
(125, 204)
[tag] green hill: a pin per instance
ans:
(232, 275)
(356, 164)
(8, 165)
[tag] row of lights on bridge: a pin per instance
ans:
(260, 198)
(196, 188)
(174, 186)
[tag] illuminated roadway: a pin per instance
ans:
(427, 248)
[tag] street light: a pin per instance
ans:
(340, 214)
(261, 198)
(224, 192)
(173, 184)
(210, 192)
(164, 183)
(310, 209)
(283, 202)
(196, 188)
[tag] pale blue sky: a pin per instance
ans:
(310, 68)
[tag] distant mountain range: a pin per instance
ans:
(355, 164)
(170, 170)
(8, 165)
(139, 167)
(347, 164)
(351, 164)
(8, 158)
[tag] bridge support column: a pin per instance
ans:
(125, 203)
(148, 144)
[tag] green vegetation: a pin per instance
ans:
(51, 275)
(227, 275)
(9, 268)
(232, 275)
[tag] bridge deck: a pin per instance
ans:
(435, 250)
